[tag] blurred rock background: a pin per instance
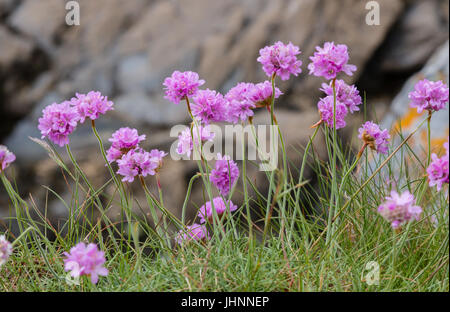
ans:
(125, 49)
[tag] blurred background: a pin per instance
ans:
(125, 49)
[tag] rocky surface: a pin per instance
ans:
(126, 51)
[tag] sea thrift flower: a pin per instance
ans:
(429, 95)
(181, 85)
(438, 171)
(280, 59)
(209, 106)
(192, 232)
(261, 93)
(330, 61)
(6, 158)
(5, 250)
(85, 260)
(349, 95)
(224, 174)
(399, 209)
(326, 108)
(136, 163)
(123, 140)
(240, 107)
(374, 137)
(58, 122)
(185, 142)
(91, 105)
(157, 156)
(220, 206)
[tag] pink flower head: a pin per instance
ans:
(157, 156)
(185, 142)
(91, 105)
(6, 158)
(429, 95)
(281, 60)
(5, 250)
(209, 106)
(192, 232)
(261, 94)
(240, 107)
(136, 163)
(224, 174)
(206, 211)
(438, 171)
(374, 137)
(58, 122)
(330, 61)
(123, 140)
(85, 260)
(326, 108)
(399, 209)
(349, 95)
(181, 85)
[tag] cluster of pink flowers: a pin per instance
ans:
(281, 60)
(438, 170)
(225, 174)
(132, 160)
(330, 60)
(374, 137)
(182, 85)
(326, 110)
(346, 94)
(60, 120)
(209, 106)
(85, 260)
(91, 105)
(138, 162)
(220, 206)
(240, 107)
(5, 250)
(6, 158)
(185, 142)
(399, 209)
(192, 232)
(123, 140)
(429, 95)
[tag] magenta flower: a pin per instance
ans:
(330, 60)
(429, 95)
(326, 108)
(185, 142)
(224, 174)
(209, 106)
(91, 105)
(261, 93)
(220, 206)
(399, 209)
(157, 156)
(438, 171)
(374, 137)
(136, 163)
(58, 122)
(240, 107)
(182, 85)
(123, 140)
(192, 232)
(6, 158)
(5, 250)
(85, 260)
(349, 95)
(281, 60)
